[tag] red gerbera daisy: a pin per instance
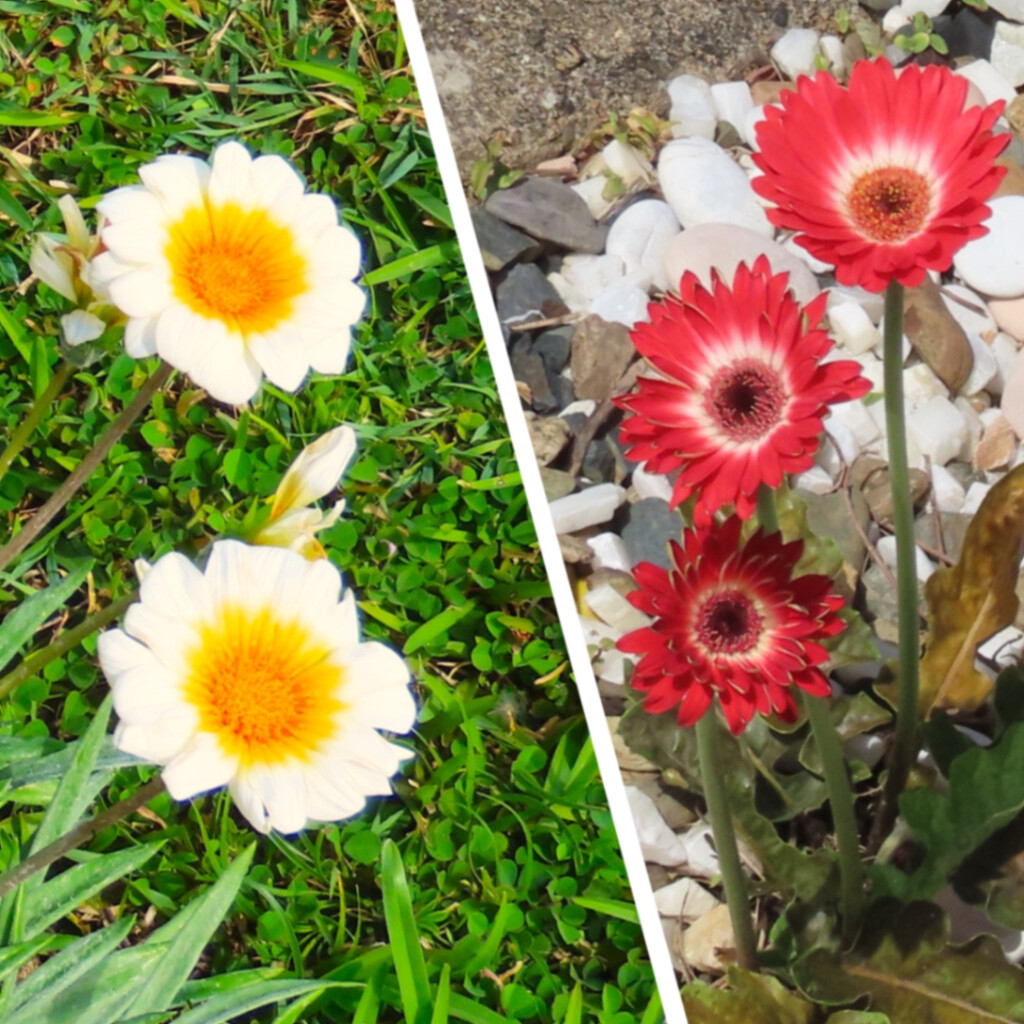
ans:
(729, 620)
(887, 178)
(745, 389)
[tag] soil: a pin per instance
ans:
(535, 78)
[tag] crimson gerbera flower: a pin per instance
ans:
(744, 388)
(886, 178)
(730, 620)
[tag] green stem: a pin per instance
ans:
(733, 881)
(70, 638)
(67, 490)
(81, 833)
(841, 800)
(904, 747)
(767, 513)
(34, 417)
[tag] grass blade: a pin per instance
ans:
(222, 1008)
(574, 1012)
(410, 965)
(442, 997)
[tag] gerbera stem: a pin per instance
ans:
(841, 800)
(34, 417)
(767, 514)
(904, 746)
(67, 490)
(81, 833)
(70, 638)
(733, 881)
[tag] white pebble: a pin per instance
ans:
(628, 164)
(658, 843)
(609, 663)
(975, 428)
(1008, 52)
(930, 8)
(1005, 350)
(968, 310)
(853, 328)
(947, 493)
(639, 237)
(894, 19)
(591, 191)
(1012, 9)
(1004, 648)
(692, 110)
(923, 564)
(614, 610)
(857, 419)
(873, 304)
(843, 438)
(815, 265)
(589, 276)
(991, 83)
(814, 480)
(994, 263)
(622, 303)
(834, 52)
(976, 494)
(874, 369)
(921, 385)
(937, 428)
(684, 898)
(795, 51)
(651, 485)
(609, 552)
(985, 369)
(588, 508)
(732, 102)
(584, 406)
(749, 128)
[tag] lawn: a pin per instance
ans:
(490, 887)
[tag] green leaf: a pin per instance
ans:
(410, 966)
(442, 997)
(750, 999)
(227, 1006)
(470, 1010)
(439, 624)
(20, 625)
(574, 1011)
(619, 909)
(178, 962)
(329, 73)
(412, 263)
(904, 967)
(10, 207)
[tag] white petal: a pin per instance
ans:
(143, 292)
(254, 577)
(316, 470)
(170, 641)
(276, 185)
(293, 530)
(119, 653)
(140, 337)
(145, 695)
(157, 743)
(52, 267)
(316, 214)
(337, 254)
(331, 356)
(131, 203)
(250, 803)
(329, 800)
(225, 368)
(231, 180)
(175, 588)
(74, 224)
(377, 690)
(282, 355)
(347, 621)
(178, 182)
(80, 326)
(179, 337)
(282, 790)
(200, 767)
(132, 242)
(104, 269)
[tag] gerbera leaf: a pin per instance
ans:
(750, 999)
(974, 599)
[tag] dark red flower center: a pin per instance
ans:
(746, 399)
(728, 623)
(889, 204)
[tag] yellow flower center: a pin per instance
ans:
(237, 266)
(889, 204)
(263, 686)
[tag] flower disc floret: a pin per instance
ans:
(730, 621)
(252, 674)
(886, 178)
(231, 271)
(743, 390)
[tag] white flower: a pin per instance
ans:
(315, 472)
(230, 271)
(252, 674)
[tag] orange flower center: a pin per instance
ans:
(237, 266)
(728, 623)
(889, 204)
(745, 400)
(263, 686)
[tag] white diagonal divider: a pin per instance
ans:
(643, 894)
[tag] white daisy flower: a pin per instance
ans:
(252, 674)
(316, 471)
(230, 271)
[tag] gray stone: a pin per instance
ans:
(968, 33)
(554, 346)
(548, 437)
(528, 368)
(650, 525)
(549, 210)
(880, 599)
(526, 295)
(601, 351)
(603, 462)
(562, 389)
(557, 484)
(954, 529)
(501, 244)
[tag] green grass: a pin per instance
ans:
(490, 886)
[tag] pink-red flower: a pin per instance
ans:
(743, 390)
(729, 620)
(886, 178)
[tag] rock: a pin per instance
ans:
(574, 550)
(1012, 9)
(994, 263)
(528, 368)
(947, 493)
(834, 52)
(628, 164)
(607, 604)
(692, 112)
(732, 102)
(967, 33)
(997, 446)
(881, 604)
(1013, 182)
(609, 551)
(601, 351)
(501, 244)
(609, 663)
(794, 54)
(930, 8)
(936, 336)
(970, 311)
(976, 494)
(651, 485)
(526, 295)
(709, 944)
(1014, 113)
(591, 507)
(549, 210)
(1013, 396)
(872, 304)
(828, 515)
(1008, 52)
(554, 346)
(857, 418)
(852, 327)
(1009, 315)
(871, 476)
(992, 84)
(975, 428)
(923, 564)
(895, 19)
(985, 368)
(938, 429)
(627, 759)
(723, 247)
(557, 484)
(603, 462)
(684, 898)
(559, 167)
(814, 481)
(920, 385)
(650, 525)
(639, 237)
(585, 407)
(596, 195)
(658, 843)
(548, 437)
(703, 185)
(1005, 349)
(624, 303)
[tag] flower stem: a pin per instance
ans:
(67, 490)
(904, 746)
(767, 513)
(34, 417)
(733, 881)
(81, 833)
(70, 638)
(840, 798)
